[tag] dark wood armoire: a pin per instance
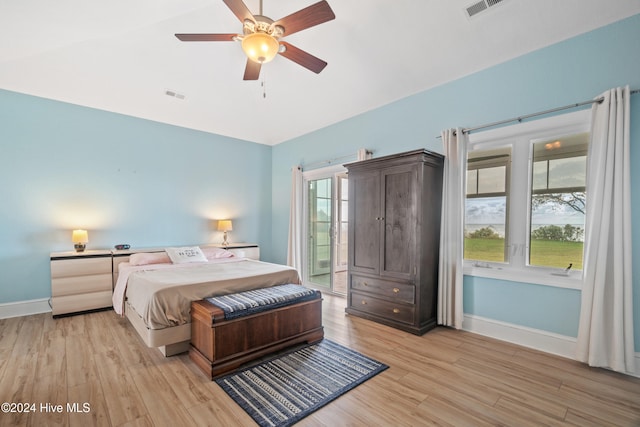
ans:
(394, 239)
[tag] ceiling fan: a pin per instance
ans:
(261, 36)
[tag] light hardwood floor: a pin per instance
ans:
(445, 377)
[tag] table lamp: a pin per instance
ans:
(80, 239)
(225, 225)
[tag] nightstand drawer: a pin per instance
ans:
(394, 291)
(81, 284)
(80, 266)
(381, 308)
(81, 302)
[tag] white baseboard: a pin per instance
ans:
(24, 308)
(549, 342)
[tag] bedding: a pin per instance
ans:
(161, 294)
(186, 254)
(144, 258)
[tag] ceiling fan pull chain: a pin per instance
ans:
(264, 87)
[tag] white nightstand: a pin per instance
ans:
(80, 281)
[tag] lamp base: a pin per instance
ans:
(225, 242)
(80, 247)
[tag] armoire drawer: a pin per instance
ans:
(394, 291)
(388, 309)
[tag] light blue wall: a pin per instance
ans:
(524, 304)
(568, 72)
(148, 184)
(126, 180)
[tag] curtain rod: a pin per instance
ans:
(327, 162)
(331, 161)
(539, 113)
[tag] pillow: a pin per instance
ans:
(144, 258)
(186, 254)
(213, 253)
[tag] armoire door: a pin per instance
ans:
(399, 195)
(365, 222)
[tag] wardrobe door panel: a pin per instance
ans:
(400, 216)
(364, 222)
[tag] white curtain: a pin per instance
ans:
(294, 250)
(450, 311)
(605, 336)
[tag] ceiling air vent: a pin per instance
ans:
(481, 6)
(173, 93)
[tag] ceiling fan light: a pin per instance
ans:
(260, 47)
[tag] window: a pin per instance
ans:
(486, 206)
(558, 202)
(526, 201)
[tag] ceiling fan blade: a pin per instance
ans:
(303, 58)
(305, 18)
(206, 37)
(252, 70)
(239, 9)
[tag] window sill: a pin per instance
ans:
(530, 275)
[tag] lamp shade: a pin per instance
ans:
(260, 47)
(225, 225)
(80, 236)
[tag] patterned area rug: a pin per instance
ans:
(283, 390)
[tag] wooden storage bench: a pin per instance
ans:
(219, 346)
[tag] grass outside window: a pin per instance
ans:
(546, 253)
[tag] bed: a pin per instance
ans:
(155, 294)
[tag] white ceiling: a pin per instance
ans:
(122, 56)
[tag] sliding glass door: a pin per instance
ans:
(326, 230)
(320, 229)
(341, 235)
